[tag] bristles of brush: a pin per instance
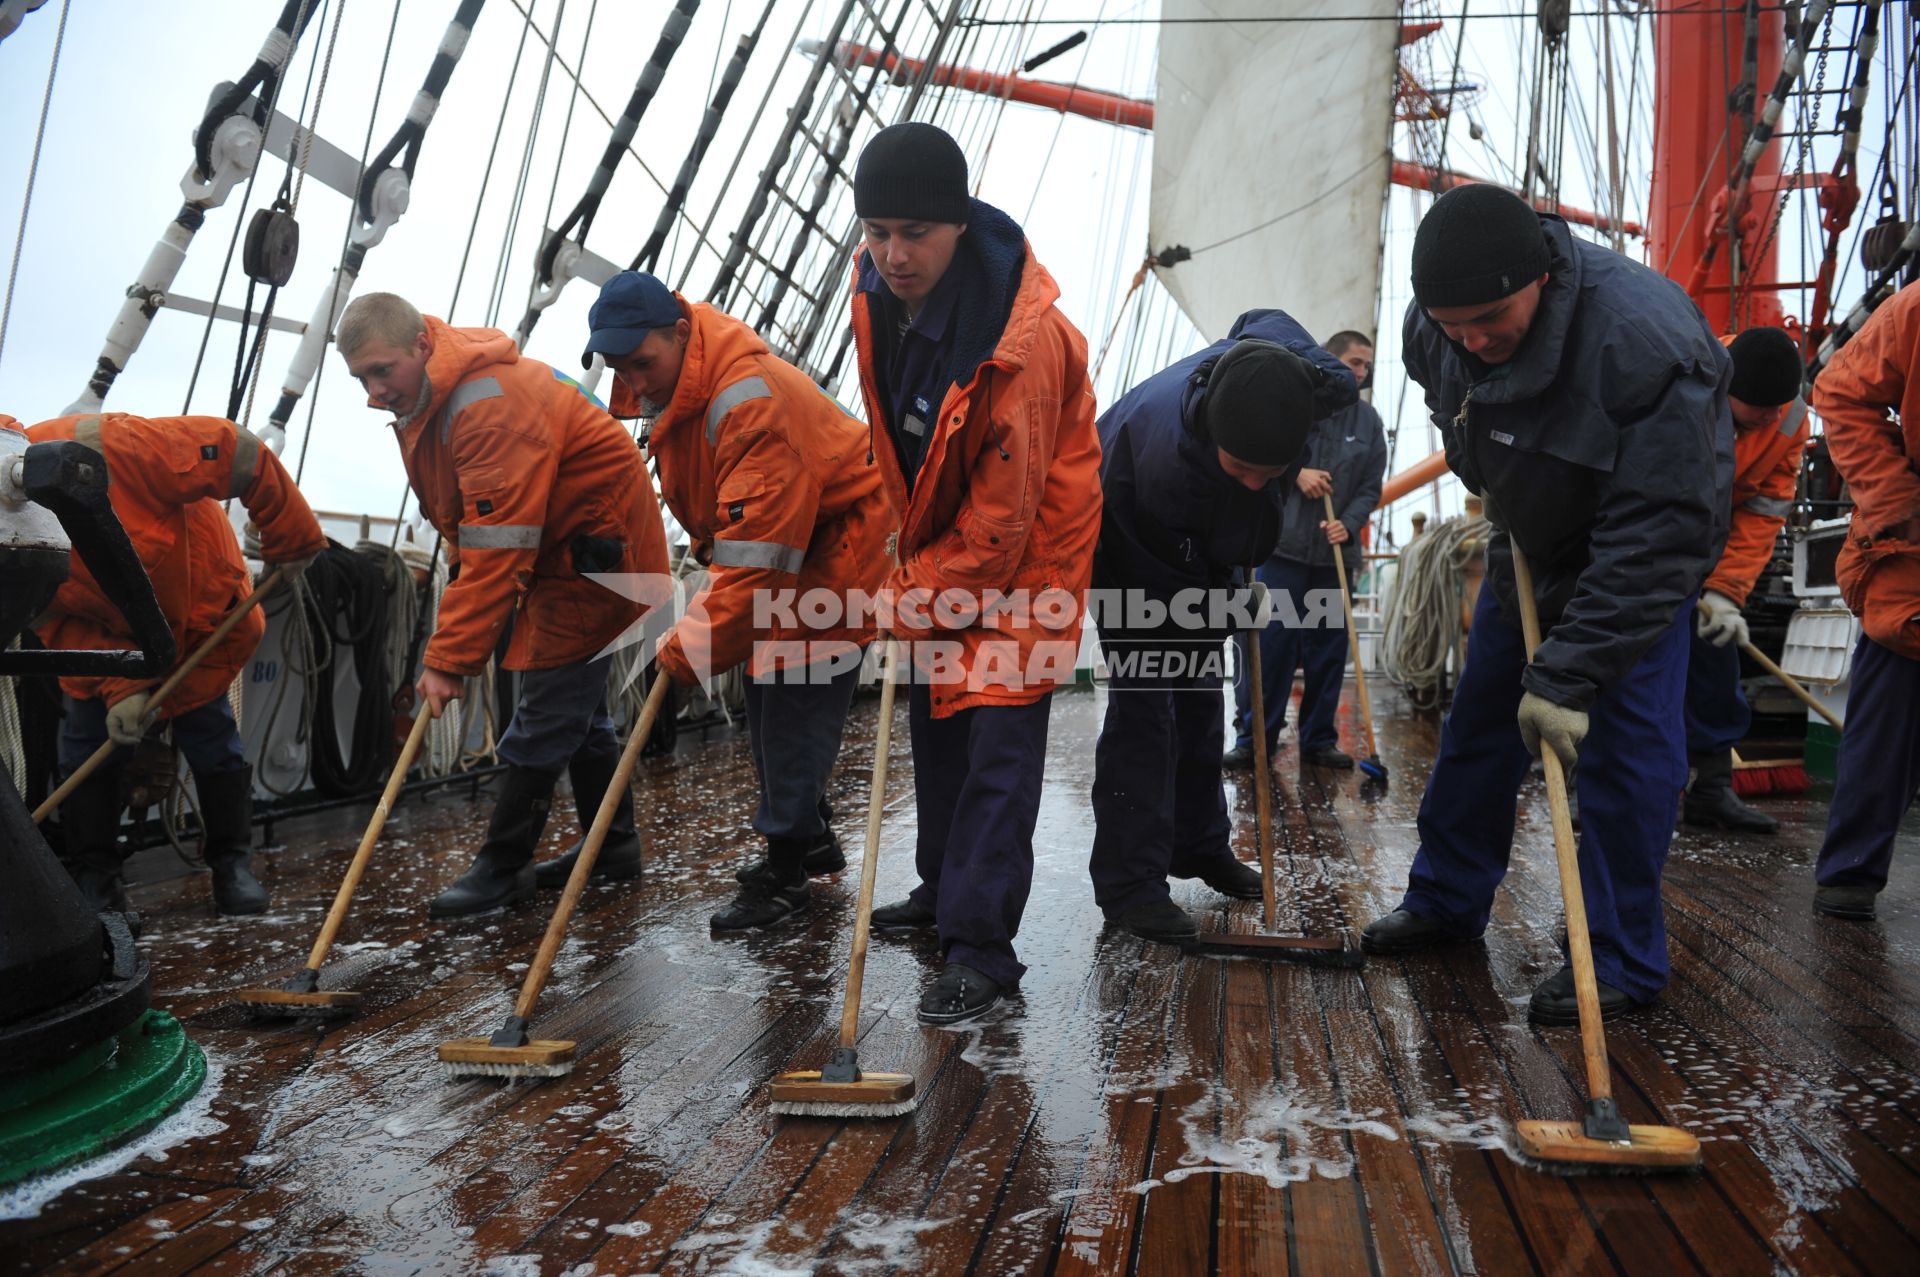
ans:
(1373, 769)
(811, 1108)
(1755, 782)
(467, 1069)
(294, 1011)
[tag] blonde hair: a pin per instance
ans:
(385, 317)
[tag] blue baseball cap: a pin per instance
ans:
(631, 305)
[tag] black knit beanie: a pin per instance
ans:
(1767, 367)
(1477, 244)
(912, 170)
(1258, 405)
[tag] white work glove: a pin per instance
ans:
(124, 725)
(1560, 727)
(292, 568)
(1718, 620)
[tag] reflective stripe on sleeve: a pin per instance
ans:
(499, 536)
(758, 554)
(246, 462)
(732, 397)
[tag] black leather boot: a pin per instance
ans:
(819, 856)
(1712, 804)
(774, 892)
(619, 857)
(226, 814)
(90, 841)
(502, 874)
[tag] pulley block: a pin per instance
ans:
(273, 245)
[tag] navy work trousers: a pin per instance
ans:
(797, 728)
(1632, 768)
(1318, 650)
(976, 779)
(1717, 713)
(206, 735)
(1879, 769)
(1159, 807)
(562, 711)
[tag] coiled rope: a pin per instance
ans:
(1423, 618)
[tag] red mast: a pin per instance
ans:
(1700, 51)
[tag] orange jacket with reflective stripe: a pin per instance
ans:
(166, 478)
(532, 484)
(1878, 371)
(769, 476)
(1766, 470)
(1008, 498)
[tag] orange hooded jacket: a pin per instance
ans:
(769, 477)
(1766, 471)
(1879, 370)
(532, 484)
(166, 478)
(1008, 498)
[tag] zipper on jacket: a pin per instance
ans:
(1466, 436)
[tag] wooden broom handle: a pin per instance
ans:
(1353, 640)
(1262, 780)
(331, 927)
(1593, 1034)
(590, 850)
(159, 695)
(869, 868)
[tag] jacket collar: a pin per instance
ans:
(694, 389)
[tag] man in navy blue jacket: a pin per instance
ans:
(1346, 457)
(1585, 398)
(1193, 465)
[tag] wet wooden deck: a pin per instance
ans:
(1131, 1112)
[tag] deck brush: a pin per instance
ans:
(1320, 951)
(511, 1052)
(1757, 778)
(841, 1089)
(302, 996)
(1603, 1138)
(1371, 768)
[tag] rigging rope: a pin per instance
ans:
(346, 234)
(33, 171)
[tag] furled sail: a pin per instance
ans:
(1271, 150)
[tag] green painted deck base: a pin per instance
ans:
(113, 1092)
(1823, 751)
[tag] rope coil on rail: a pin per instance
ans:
(1424, 616)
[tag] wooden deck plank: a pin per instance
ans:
(1096, 1125)
(1178, 1205)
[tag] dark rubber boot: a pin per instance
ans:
(771, 896)
(820, 856)
(620, 855)
(90, 837)
(502, 874)
(1712, 804)
(226, 814)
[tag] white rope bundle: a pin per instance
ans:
(13, 745)
(1423, 618)
(446, 751)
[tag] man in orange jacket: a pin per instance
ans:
(770, 480)
(1879, 574)
(167, 477)
(536, 490)
(983, 426)
(1770, 432)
